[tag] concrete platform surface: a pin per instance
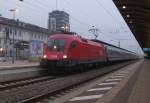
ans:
(135, 90)
(19, 70)
(141, 91)
(17, 64)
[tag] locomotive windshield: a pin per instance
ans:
(56, 44)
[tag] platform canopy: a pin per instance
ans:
(137, 15)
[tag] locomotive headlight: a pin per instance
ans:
(55, 46)
(64, 56)
(44, 56)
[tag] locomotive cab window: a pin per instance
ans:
(73, 44)
(56, 44)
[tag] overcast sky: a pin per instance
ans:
(83, 15)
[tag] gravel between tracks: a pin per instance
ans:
(21, 93)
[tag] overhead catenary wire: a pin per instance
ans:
(43, 5)
(86, 25)
(108, 12)
(17, 6)
(39, 5)
(46, 8)
(30, 6)
(83, 23)
(83, 12)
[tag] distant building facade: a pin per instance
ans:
(58, 20)
(28, 39)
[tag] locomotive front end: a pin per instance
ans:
(55, 52)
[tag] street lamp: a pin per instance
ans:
(14, 12)
(1, 49)
(13, 43)
(65, 28)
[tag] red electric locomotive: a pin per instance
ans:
(66, 50)
(69, 50)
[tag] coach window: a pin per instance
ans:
(74, 44)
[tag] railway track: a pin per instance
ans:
(33, 90)
(45, 98)
(19, 83)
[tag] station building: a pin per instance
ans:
(27, 39)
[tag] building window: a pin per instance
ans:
(15, 31)
(52, 24)
(32, 36)
(39, 37)
(10, 31)
(20, 33)
(35, 36)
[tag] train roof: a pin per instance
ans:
(73, 37)
(95, 40)
(61, 35)
(73, 34)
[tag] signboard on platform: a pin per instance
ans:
(146, 49)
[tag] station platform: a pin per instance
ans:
(17, 64)
(133, 90)
(137, 88)
(128, 85)
(141, 92)
(19, 70)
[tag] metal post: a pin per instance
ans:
(119, 41)
(13, 50)
(13, 41)
(94, 31)
(5, 44)
(119, 44)
(56, 4)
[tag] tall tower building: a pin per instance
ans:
(58, 20)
